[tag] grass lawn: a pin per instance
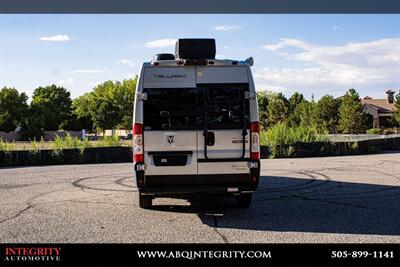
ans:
(61, 144)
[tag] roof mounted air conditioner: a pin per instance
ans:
(161, 57)
(195, 49)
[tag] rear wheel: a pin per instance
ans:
(244, 200)
(145, 201)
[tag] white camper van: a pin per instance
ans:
(196, 126)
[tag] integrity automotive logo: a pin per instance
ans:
(31, 254)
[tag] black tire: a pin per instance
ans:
(244, 200)
(145, 201)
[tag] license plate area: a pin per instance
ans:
(170, 158)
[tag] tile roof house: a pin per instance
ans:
(381, 110)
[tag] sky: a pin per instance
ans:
(311, 54)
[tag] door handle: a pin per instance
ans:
(210, 139)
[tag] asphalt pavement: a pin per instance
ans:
(329, 199)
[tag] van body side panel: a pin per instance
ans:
(221, 74)
(157, 147)
(138, 107)
(223, 167)
(169, 77)
(228, 144)
(253, 102)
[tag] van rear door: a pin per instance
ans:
(223, 141)
(170, 128)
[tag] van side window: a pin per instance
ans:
(170, 109)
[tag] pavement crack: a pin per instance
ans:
(215, 229)
(19, 213)
(78, 184)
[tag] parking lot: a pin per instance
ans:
(330, 199)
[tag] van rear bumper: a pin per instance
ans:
(216, 184)
(196, 189)
(203, 183)
(204, 179)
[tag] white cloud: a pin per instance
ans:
(88, 71)
(160, 43)
(363, 64)
(56, 38)
(69, 81)
(286, 42)
(224, 28)
(126, 62)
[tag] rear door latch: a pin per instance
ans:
(210, 139)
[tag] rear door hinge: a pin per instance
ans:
(141, 96)
(249, 95)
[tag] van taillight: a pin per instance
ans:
(255, 141)
(138, 146)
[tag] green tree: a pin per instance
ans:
(277, 109)
(303, 115)
(13, 109)
(51, 107)
(31, 127)
(111, 104)
(106, 115)
(104, 112)
(326, 114)
(126, 99)
(351, 115)
(82, 117)
(294, 101)
(396, 113)
(307, 114)
(262, 99)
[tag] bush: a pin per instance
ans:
(75, 143)
(281, 134)
(281, 138)
(61, 143)
(6, 146)
(374, 131)
(108, 141)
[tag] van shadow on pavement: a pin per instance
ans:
(302, 205)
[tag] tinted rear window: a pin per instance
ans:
(170, 109)
(221, 106)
